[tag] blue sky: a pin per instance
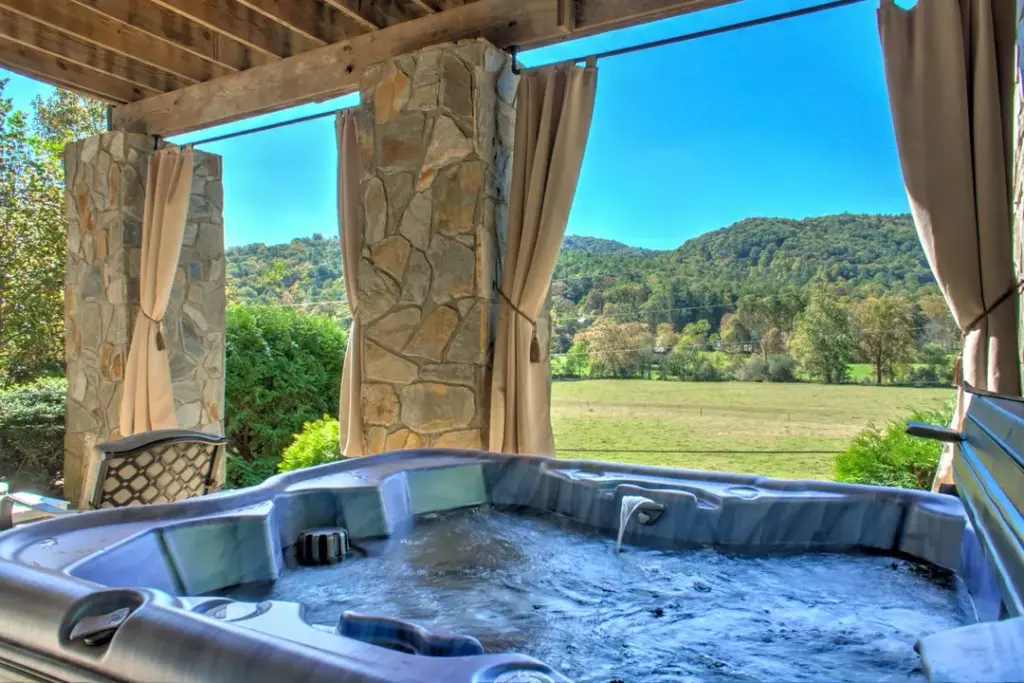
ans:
(787, 119)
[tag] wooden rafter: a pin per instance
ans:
(28, 33)
(242, 24)
(172, 28)
(91, 27)
(356, 10)
(423, 6)
(316, 21)
(391, 12)
(334, 69)
(66, 74)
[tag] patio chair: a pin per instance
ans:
(160, 466)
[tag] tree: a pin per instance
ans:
(33, 231)
(940, 328)
(824, 342)
(628, 300)
(689, 360)
(666, 336)
(618, 350)
(640, 341)
(64, 117)
(886, 334)
(734, 335)
(772, 342)
(576, 360)
(767, 317)
(695, 335)
(755, 314)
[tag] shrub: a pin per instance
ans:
(283, 370)
(781, 368)
(318, 443)
(242, 472)
(753, 369)
(692, 365)
(888, 456)
(32, 435)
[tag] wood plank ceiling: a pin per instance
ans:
(127, 50)
(172, 66)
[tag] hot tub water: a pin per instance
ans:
(547, 587)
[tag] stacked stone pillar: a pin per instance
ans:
(105, 178)
(435, 132)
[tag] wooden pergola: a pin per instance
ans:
(171, 66)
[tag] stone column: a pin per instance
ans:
(435, 131)
(105, 179)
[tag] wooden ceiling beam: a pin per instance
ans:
(242, 24)
(357, 10)
(149, 80)
(334, 70)
(170, 27)
(597, 16)
(91, 27)
(61, 73)
(316, 21)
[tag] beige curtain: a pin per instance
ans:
(147, 402)
(555, 106)
(949, 68)
(350, 229)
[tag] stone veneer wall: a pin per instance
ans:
(435, 133)
(105, 180)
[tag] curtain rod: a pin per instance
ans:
(600, 55)
(814, 9)
(260, 129)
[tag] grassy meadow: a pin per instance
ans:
(650, 416)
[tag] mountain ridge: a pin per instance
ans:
(872, 253)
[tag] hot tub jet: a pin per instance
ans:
(645, 509)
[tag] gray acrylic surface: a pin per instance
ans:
(722, 577)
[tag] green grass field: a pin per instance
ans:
(650, 416)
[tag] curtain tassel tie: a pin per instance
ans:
(958, 369)
(161, 343)
(534, 343)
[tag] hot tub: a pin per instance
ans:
(474, 567)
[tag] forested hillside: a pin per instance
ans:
(856, 284)
(869, 255)
(303, 271)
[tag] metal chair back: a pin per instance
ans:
(160, 466)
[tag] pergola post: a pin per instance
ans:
(435, 130)
(105, 177)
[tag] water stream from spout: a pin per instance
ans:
(629, 507)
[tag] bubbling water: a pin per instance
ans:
(544, 586)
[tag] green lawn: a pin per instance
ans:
(649, 416)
